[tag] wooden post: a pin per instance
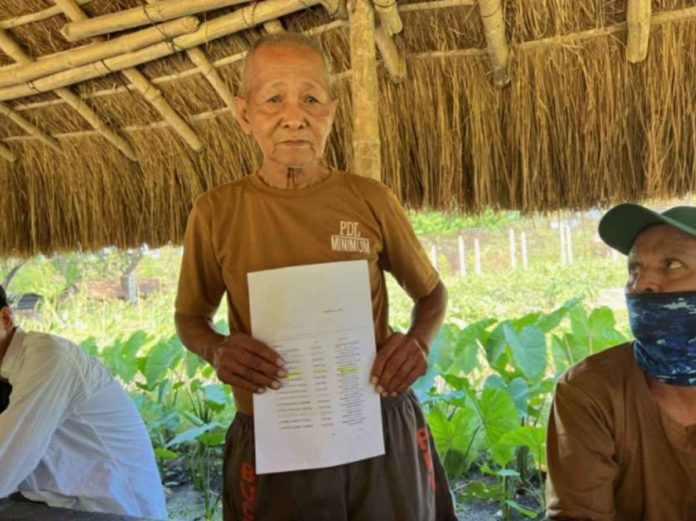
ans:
(363, 60)
(462, 255)
(389, 17)
(494, 29)
(513, 249)
(564, 252)
(477, 256)
(569, 244)
(638, 14)
(523, 247)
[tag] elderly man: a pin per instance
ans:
(622, 432)
(285, 214)
(70, 436)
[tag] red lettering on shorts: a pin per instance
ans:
(422, 439)
(248, 489)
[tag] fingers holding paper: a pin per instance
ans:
(399, 363)
(246, 363)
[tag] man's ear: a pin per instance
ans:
(241, 114)
(7, 317)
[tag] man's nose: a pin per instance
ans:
(646, 281)
(293, 116)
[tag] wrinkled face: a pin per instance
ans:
(287, 109)
(662, 259)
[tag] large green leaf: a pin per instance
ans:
(551, 321)
(528, 350)
(468, 345)
(164, 355)
(192, 434)
(496, 414)
(534, 438)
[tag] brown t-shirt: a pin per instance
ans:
(612, 454)
(247, 226)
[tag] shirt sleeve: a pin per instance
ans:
(38, 406)
(581, 458)
(201, 284)
(403, 255)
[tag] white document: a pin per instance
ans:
(319, 319)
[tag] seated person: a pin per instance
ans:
(622, 431)
(70, 436)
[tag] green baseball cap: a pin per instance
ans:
(622, 224)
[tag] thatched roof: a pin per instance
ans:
(577, 126)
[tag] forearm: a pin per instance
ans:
(199, 335)
(428, 314)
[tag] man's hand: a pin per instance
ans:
(246, 363)
(400, 361)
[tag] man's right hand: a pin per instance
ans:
(246, 363)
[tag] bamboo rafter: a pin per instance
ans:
(238, 20)
(638, 14)
(138, 16)
(273, 27)
(494, 29)
(151, 93)
(393, 60)
(14, 75)
(15, 51)
(30, 128)
(26, 19)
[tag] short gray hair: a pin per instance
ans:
(290, 39)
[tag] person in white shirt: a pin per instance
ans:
(70, 436)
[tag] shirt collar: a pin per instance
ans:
(9, 362)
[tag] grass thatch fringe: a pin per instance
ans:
(577, 127)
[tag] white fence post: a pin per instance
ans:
(523, 247)
(433, 257)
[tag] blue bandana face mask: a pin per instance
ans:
(664, 326)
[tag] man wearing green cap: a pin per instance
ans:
(622, 431)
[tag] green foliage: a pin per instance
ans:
(446, 224)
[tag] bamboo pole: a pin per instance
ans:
(389, 17)
(12, 49)
(435, 4)
(137, 16)
(30, 128)
(494, 29)
(238, 20)
(95, 52)
(393, 60)
(638, 13)
(38, 16)
(7, 154)
(151, 93)
(201, 61)
(363, 62)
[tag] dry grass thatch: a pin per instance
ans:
(577, 127)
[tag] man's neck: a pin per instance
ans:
(292, 178)
(679, 402)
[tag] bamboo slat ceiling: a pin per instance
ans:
(115, 114)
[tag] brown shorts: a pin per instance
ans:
(408, 483)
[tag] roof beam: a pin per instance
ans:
(26, 19)
(638, 14)
(238, 20)
(15, 51)
(143, 85)
(30, 128)
(51, 64)
(274, 27)
(498, 49)
(162, 11)
(393, 60)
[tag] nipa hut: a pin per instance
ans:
(115, 114)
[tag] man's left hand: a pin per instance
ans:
(399, 363)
